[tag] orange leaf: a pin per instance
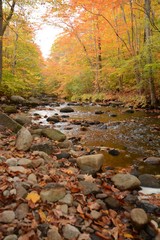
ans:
(33, 196)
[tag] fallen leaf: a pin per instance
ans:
(33, 196)
(128, 235)
(88, 178)
(79, 209)
(42, 215)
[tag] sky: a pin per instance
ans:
(45, 37)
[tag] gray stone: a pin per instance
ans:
(9, 123)
(25, 162)
(88, 187)
(21, 191)
(139, 217)
(11, 237)
(22, 118)
(17, 99)
(68, 199)
(12, 162)
(152, 160)
(32, 178)
(24, 139)
(38, 162)
(53, 193)
(148, 180)
(54, 119)
(95, 214)
(90, 163)
(53, 234)
(7, 216)
(67, 144)
(125, 181)
(66, 110)
(70, 232)
(63, 208)
(112, 202)
(17, 169)
(22, 211)
(46, 147)
(53, 134)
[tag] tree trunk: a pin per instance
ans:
(1, 36)
(149, 60)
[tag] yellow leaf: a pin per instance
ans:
(42, 216)
(33, 196)
(127, 235)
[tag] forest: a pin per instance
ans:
(106, 48)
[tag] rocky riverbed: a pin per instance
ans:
(53, 188)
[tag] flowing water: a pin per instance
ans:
(135, 135)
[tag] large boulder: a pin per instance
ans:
(18, 99)
(9, 123)
(90, 163)
(53, 134)
(24, 139)
(125, 181)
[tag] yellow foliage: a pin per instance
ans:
(33, 196)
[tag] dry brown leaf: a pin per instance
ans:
(94, 205)
(89, 178)
(79, 209)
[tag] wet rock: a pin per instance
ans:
(99, 112)
(113, 115)
(22, 211)
(67, 144)
(113, 152)
(53, 194)
(70, 232)
(11, 237)
(90, 163)
(53, 134)
(9, 109)
(139, 217)
(126, 181)
(7, 216)
(22, 118)
(129, 111)
(148, 180)
(68, 199)
(88, 187)
(112, 202)
(18, 99)
(44, 227)
(152, 160)
(54, 119)
(148, 207)
(25, 162)
(44, 147)
(63, 155)
(9, 123)
(66, 110)
(17, 169)
(12, 162)
(53, 234)
(24, 139)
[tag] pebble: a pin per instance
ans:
(70, 232)
(32, 178)
(22, 211)
(12, 162)
(95, 214)
(25, 162)
(139, 217)
(11, 237)
(17, 169)
(88, 187)
(7, 216)
(53, 234)
(68, 199)
(53, 194)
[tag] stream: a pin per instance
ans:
(135, 135)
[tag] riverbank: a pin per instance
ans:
(52, 187)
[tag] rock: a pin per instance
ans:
(125, 181)
(46, 147)
(22, 211)
(38, 162)
(95, 214)
(139, 217)
(53, 134)
(9, 109)
(129, 111)
(11, 237)
(112, 202)
(67, 144)
(32, 178)
(63, 208)
(18, 99)
(70, 232)
(21, 191)
(148, 207)
(66, 110)
(53, 194)
(90, 163)
(9, 123)
(24, 139)
(7, 216)
(63, 155)
(148, 180)
(22, 118)
(99, 112)
(12, 162)
(114, 152)
(113, 115)
(19, 169)
(53, 234)
(88, 187)
(68, 199)
(54, 119)
(25, 162)
(152, 160)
